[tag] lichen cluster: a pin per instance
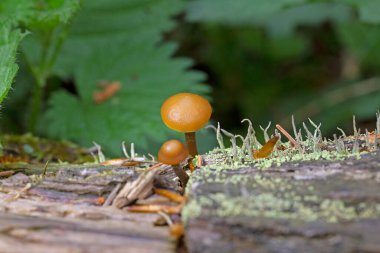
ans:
(270, 197)
(232, 183)
(310, 145)
(29, 148)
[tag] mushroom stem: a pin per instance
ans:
(181, 174)
(191, 143)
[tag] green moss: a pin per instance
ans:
(41, 150)
(223, 158)
(270, 195)
(192, 209)
(271, 198)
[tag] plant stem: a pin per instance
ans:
(40, 73)
(35, 107)
(191, 143)
(51, 46)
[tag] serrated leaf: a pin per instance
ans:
(9, 41)
(47, 23)
(28, 13)
(40, 13)
(12, 12)
(120, 41)
(50, 13)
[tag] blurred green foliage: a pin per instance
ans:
(265, 60)
(105, 41)
(269, 59)
(9, 40)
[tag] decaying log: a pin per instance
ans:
(63, 211)
(314, 206)
(20, 233)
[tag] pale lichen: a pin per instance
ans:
(270, 197)
(314, 147)
(236, 193)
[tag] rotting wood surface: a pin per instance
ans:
(313, 206)
(64, 212)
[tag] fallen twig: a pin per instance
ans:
(154, 166)
(155, 208)
(7, 173)
(287, 135)
(18, 193)
(170, 195)
(199, 161)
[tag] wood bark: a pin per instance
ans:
(63, 212)
(311, 206)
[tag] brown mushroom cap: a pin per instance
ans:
(172, 152)
(185, 112)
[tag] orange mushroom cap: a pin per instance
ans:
(186, 112)
(172, 152)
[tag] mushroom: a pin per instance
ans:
(186, 113)
(173, 152)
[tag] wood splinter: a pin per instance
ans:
(7, 173)
(170, 195)
(181, 200)
(18, 193)
(155, 208)
(141, 188)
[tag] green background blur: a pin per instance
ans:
(318, 60)
(263, 59)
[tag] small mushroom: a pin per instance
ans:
(186, 113)
(173, 152)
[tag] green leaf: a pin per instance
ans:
(120, 40)
(279, 18)
(368, 9)
(41, 13)
(9, 40)
(287, 47)
(236, 12)
(362, 41)
(50, 13)
(337, 105)
(47, 23)
(13, 12)
(286, 21)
